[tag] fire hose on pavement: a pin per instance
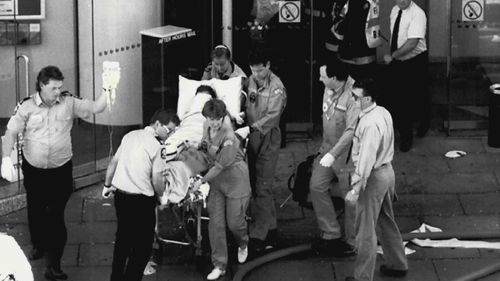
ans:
(246, 268)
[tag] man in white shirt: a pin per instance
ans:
(408, 70)
(130, 172)
(373, 189)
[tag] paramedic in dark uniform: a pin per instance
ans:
(373, 189)
(229, 186)
(408, 70)
(221, 66)
(265, 104)
(340, 115)
(45, 119)
(130, 173)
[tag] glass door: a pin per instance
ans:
(474, 61)
(9, 82)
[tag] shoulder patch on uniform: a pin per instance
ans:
(279, 91)
(25, 99)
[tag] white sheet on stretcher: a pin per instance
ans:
(190, 129)
(177, 175)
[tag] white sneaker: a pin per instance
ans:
(242, 254)
(215, 274)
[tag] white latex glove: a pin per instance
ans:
(108, 191)
(327, 160)
(387, 58)
(239, 120)
(8, 170)
(352, 197)
(243, 132)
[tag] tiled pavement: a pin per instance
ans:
(453, 194)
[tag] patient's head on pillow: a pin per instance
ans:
(205, 89)
(203, 94)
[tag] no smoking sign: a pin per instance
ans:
(472, 10)
(289, 11)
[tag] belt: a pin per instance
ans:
(128, 193)
(360, 60)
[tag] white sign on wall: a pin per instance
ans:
(472, 10)
(289, 11)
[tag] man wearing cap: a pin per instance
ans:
(129, 174)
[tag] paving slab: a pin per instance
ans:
(89, 233)
(450, 183)
(20, 216)
(485, 203)
(465, 223)
(73, 211)
(418, 271)
(303, 270)
(95, 210)
(70, 256)
(475, 162)
(453, 268)
(420, 164)
(440, 145)
(20, 232)
(427, 204)
(96, 273)
(442, 253)
(95, 254)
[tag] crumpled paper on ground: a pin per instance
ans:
(408, 251)
(449, 243)
(455, 153)
(150, 268)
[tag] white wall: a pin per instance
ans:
(116, 24)
(57, 48)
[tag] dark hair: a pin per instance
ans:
(337, 69)
(207, 89)
(369, 87)
(214, 108)
(221, 51)
(258, 56)
(165, 116)
(47, 73)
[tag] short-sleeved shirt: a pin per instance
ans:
(413, 24)
(265, 104)
(136, 154)
(47, 129)
(223, 150)
(233, 71)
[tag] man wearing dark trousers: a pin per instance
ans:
(408, 70)
(45, 120)
(130, 174)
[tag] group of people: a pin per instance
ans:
(354, 161)
(234, 185)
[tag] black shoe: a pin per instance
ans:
(350, 278)
(271, 239)
(384, 270)
(55, 274)
(334, 247)
(35, 254)
(256, 246)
